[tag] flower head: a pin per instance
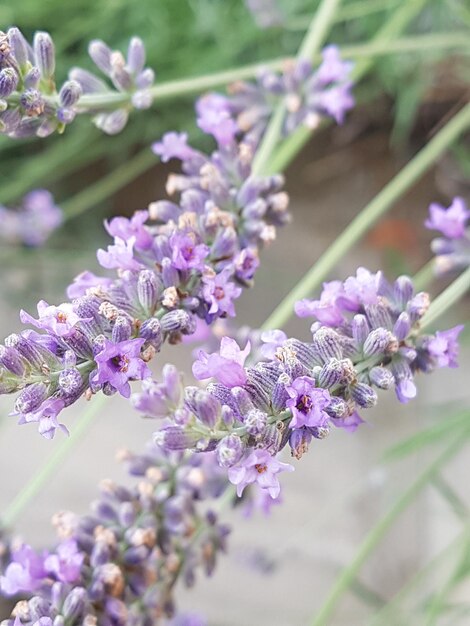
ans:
(307, 403)
(261, 468)
(59, 320)
(226, 366)
(120, 362)
(450, 222)
(444, 346)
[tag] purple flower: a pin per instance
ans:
(66, 563)
(272, 340)
(349, 423)
(85, 281)
(451, 221)
(333, 68)
(326, 310)
(159, 399)
(261, 468)
(173, 146)
(119, 256)
(307, 403)
(120, 362)
(58, 320)
(362, 288)
(46, 417)
(186, 253)
(226, 366)
(219, 292)
(25, 572)
(246, 264)
(39, 217)
(444, 346)
(187, 619)
(124, 228)
(214, 118)
(405, 390)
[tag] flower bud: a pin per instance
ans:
(100, 55)
(149, 289)
(177, 320)
(327, 344)
(403, 291)
(19, 46)
(151, 330)
(135, 56)
(32, 102)
(70, 93)
(364, 395)
(31, 398)
(8, 82)
(70, 381)
(360, 329)
(380, 341)
(299, 441)
(255, 421)
(402, 326)
(44, 54)
(12, 360)
(207, 408)
(75, 603)
(381, 377)
(122, 329)
(229, 451)
(176, 438)
(378, 316)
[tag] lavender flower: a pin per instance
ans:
(266, 13)
(452, 250)
(178, 262)
(120, 564)
(33, 222)
(367, 337)
(309, 95)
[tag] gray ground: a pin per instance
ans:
(339, 490)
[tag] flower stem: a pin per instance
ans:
(454, 292)
(309, 48)
(352, 11)
(60, 453)
(373, 538)
(424, 276)
(396, 24)
(370, 214)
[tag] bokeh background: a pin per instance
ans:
(278, 570)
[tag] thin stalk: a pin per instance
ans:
(424, 276)
(108, 185)
(384, 616)
(451, 497)
(395, 25)
(370, 214)
(373, 538)
(309, 48)
(454, 292)
(362, 9)
(60, 453)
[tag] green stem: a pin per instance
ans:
(454, 292)
(363, 8)
(373, 538)
(370, 214)
(60, 453)
(108, 185)
(395, 25)
(384, 616)
(424, 276)
(309, 48)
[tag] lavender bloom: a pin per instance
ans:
(295, 391)
(265, 12)
(309, 95)
(453, 249)
(120, 362)
(261, 468)
(226, 366)
(119, 564)
(173, 146)
(33, 222)
(180, 261)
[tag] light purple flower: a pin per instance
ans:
(85, 281)
(219, 292)
(333, 68)
(451, 221)
(272, 340)
(120, 362)
(25, 572)
(46, 418)
(261, 468)
(362, 288)
(173, 146)
(159, 399)
(246, 264)
(186, 253)
(444, 346)
(124, 229)
(187, 619)
(326, 310)
(349, 423)
(307, 403)
(58, 320)
(119, 256)
(214, 118)
(226, 366)
(405, 390)
(66, 563)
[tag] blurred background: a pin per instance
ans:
(279, 569)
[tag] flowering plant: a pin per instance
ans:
(174, 271)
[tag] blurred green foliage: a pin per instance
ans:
(189, 38)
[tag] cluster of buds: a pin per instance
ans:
(366, 337)
(31, 104)
(31, 223)
(119, 565)
(452, 249)
(188, 263)
(309, 94)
